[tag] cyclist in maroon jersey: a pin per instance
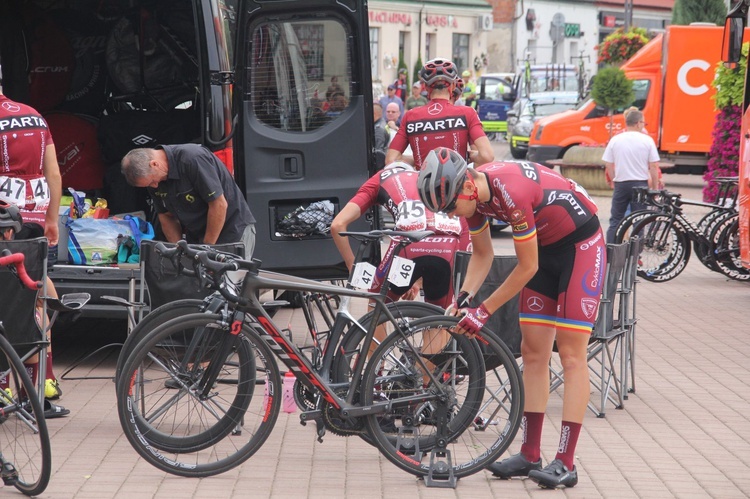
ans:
(395, 188)
(561, 259)
(439, 123)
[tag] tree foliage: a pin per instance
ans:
(402, 65)
(612, 89)
(691, 11)
(730, 82)
(417, 66)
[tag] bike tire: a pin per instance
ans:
(706, 227)
(485, 411)
(24, 437)
(198, 437)
(725, 249)
(624, 228)
(155, 318)
(666, 248)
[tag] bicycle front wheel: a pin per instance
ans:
(25, 453)
(177, 423)
(453, 423)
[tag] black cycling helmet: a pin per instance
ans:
(10, 216)
(438, 70)
(441, 179)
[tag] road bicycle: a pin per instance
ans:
(422, 396)
(668, 234)
(25, 451)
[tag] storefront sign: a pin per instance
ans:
(441, 21)
(390, 18)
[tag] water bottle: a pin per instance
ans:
(287, 398)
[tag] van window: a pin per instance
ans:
(641, 88)
(299, 74)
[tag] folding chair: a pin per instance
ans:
(628, 314)
(18, 311)
(504, 322)
(606, 342)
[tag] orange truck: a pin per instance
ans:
(671, 77)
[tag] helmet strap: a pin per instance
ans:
(474, 196)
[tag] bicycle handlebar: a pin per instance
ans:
(16, 259)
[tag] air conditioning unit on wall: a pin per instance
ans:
(485, 22)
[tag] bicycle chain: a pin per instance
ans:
(339, 426)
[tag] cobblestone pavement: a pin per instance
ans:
(684, 433)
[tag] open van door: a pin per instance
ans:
(304, 131)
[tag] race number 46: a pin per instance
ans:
(401, 271)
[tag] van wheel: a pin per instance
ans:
(517, 153)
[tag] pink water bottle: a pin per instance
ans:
(287, 398)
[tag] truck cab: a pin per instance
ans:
(279, 91)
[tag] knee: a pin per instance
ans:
(573, 362)
(534, 357)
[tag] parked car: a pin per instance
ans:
(492, 104)
(526, 110)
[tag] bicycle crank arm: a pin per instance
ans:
(383, 407)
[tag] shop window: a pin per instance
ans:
(374, 51)
(461, 52)
(299, 74)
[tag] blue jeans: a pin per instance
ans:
(622, 197)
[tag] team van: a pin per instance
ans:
(252, 80)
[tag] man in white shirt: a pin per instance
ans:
(631, 160)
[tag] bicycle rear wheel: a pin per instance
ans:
(177, 426)
(473, 414)
(25, 453)
(666, 248)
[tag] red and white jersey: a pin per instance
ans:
(534, 200)
(24, 137)
(397, 192)
(437, 124)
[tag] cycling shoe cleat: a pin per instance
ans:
(554, 475)
(514, 466)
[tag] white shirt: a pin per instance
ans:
(631, 152)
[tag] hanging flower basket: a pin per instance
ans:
(619, 46)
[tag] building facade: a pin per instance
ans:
(458, 30)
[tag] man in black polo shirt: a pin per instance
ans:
(193, 193)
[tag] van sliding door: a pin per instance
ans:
(305, 127)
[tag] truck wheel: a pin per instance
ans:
(517, 153)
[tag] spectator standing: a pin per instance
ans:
(30, 180)
(391, 96)
(416, 98)
(631, 160)
(561, 260)
(393, 116)
(194, 194)
(439, 122)
(400, 84)
(470, 89)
